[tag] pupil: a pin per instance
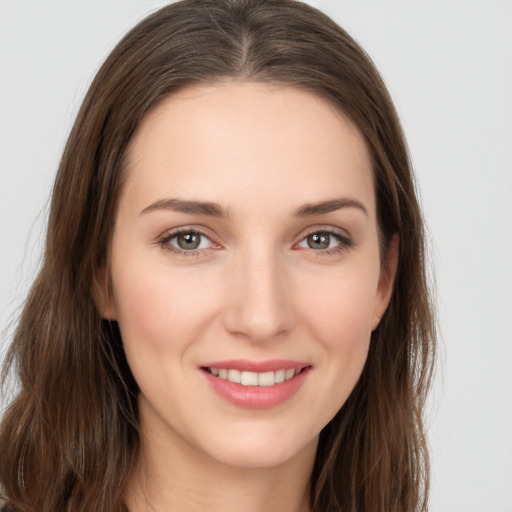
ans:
(189, 241)
(318, 241)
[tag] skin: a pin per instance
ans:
(254, 289)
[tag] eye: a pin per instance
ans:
(187, 241)
(327, 241)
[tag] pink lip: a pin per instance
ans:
(257, 397)
(271, 365)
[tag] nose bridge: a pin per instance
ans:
(259, 306)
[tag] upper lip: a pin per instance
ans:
(246, 365)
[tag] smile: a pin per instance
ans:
(256, 385)
(246, 378)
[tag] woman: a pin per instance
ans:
(232, 309)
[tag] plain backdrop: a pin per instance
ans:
(448, 65)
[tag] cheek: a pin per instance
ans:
(340, 306)
(161, 314)
(158, 308)
(339, 317)
(344, 328)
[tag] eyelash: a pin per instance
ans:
(344, 242)
(164, 242)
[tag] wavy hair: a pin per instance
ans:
(70, 437)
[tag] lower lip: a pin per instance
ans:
(257, 397)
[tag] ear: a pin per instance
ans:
(386, 281)
(102, 294)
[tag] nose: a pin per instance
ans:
(258, 306)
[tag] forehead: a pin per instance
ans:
(241, 142)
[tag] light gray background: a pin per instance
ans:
(448, 65)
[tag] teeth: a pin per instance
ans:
(253, 378)
(266, 379)
(234, 376)
(249, 379)
(279, 376)
(288, 374)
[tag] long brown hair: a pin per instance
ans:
(70, 436)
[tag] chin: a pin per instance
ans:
(258, 450)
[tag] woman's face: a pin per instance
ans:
(245, 249)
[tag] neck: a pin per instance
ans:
(173, 475)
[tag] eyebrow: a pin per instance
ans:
(192, 207)
(332, 205)
(216, 210)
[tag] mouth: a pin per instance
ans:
(251, 378)
(256, 385)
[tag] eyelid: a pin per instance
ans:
(164, 239)
(202, 238)
(190, 228)
(323, 228)
(345, 240)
